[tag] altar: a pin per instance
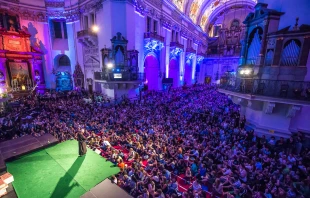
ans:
(21, 67)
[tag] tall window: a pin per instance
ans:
(216, 30)
(64, 61)
(92, 17)
(177, 36)
(172, 35)
(155, 27)
(148, 24)
(64, 25)
(57, 29)
(60, 29)
(85, 22)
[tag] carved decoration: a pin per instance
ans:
(78, 76)
(54, 4)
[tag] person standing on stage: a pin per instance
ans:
(82, 144)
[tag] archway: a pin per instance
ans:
(188, 73)
(174, 72)
(151, 69)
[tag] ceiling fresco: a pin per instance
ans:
(202, 11)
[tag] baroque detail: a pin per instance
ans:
(54, 4)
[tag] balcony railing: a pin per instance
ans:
(122, 76)
(83, 33)
(155, 36)
(299, 90)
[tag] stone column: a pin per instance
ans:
(278, 51)
(305, 51)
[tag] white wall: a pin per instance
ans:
(40, 33)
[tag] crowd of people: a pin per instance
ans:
(188, 142)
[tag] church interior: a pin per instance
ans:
(170, 98)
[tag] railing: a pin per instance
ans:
(122, 76)
(299, 90)
(154, 36)
(83, 33)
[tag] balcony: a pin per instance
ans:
(176, 45)
(88, 38)
(155, 36)
(294, 90)
(122, 76)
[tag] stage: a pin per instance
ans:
(13, 148)
(57, 171)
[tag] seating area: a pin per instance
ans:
(188, 142)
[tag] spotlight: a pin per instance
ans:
(110, 65)
(1, 90)
(247, 72)
(241, 72)
(95, 28)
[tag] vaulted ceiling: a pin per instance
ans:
(201, 12)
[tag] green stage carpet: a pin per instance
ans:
(58, 172)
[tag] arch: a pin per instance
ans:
(174, 71)
(188, 72)
(211, 9)
(151, 70)
(64, 61)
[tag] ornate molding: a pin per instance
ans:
(152, 45)
(54, 4)
(166, 23)
(200, 59)
(26, 14)
(70, 16)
